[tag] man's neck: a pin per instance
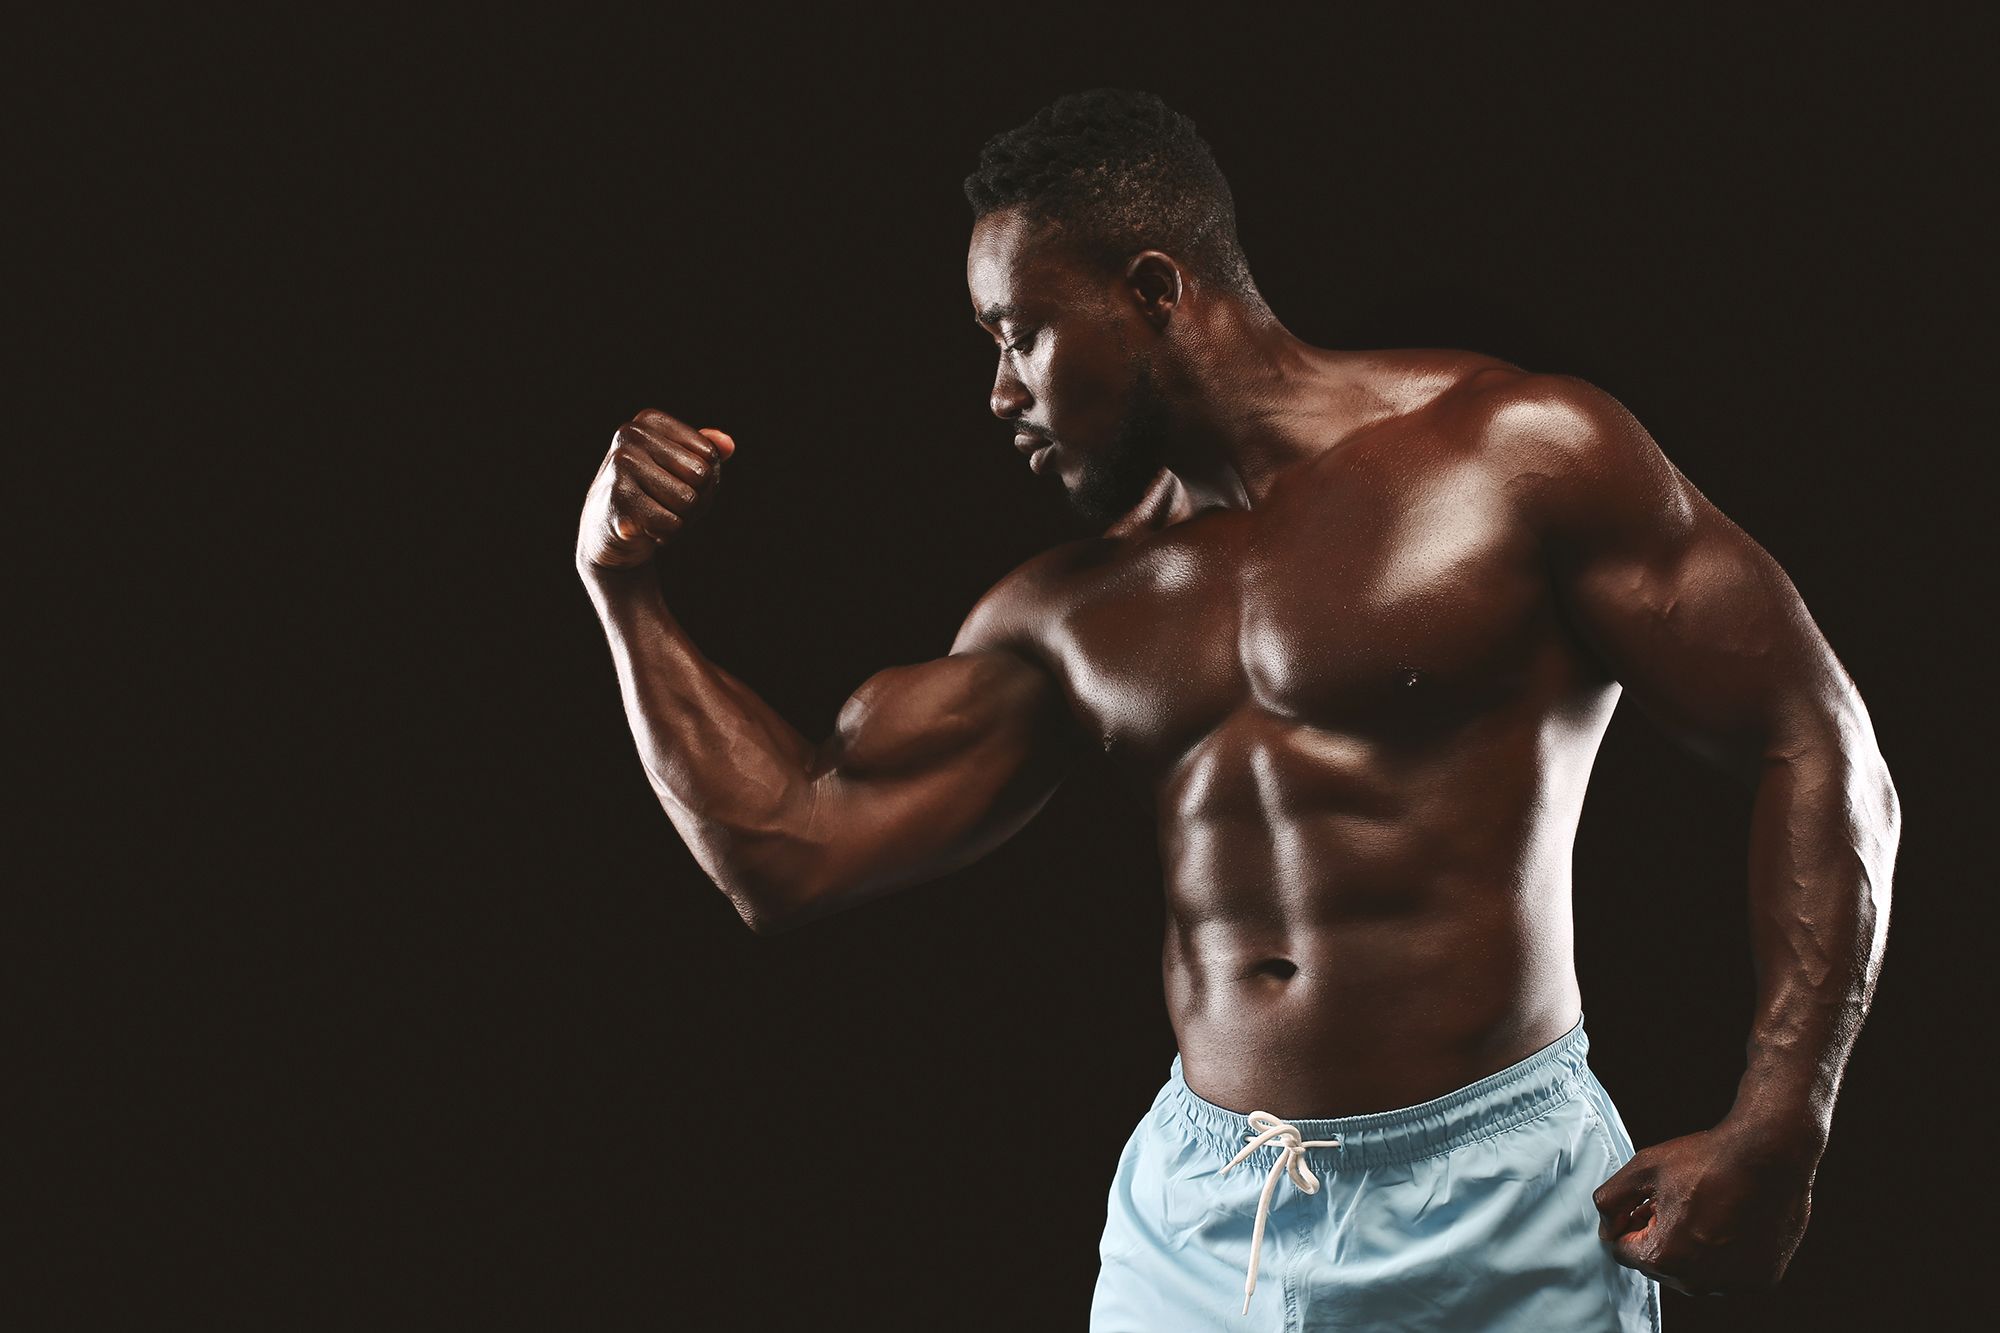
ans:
(1251, 401)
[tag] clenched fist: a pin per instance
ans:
(1714, 1212)
(656, 477)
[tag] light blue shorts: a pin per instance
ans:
(1471, 1211)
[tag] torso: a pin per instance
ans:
(1368, 736)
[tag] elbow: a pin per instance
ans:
(753, 911)
(769, 874)
(1873, 798)
(760, 911)
(773, 907)
(1892, 814)
(1818, 734)
(766, 922)
(796, 910)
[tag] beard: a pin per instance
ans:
(1113, 480)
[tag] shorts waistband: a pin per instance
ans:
(1498, 1102)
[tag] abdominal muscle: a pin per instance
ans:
(1372, 1011)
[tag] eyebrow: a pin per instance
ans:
(993, 314)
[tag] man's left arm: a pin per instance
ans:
(1711, 640)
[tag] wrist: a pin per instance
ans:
(1786, 1098)
(616, 578)
(624, 595)
(1781, 1134)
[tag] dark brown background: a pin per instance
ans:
(365, 984)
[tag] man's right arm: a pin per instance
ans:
(928, 767)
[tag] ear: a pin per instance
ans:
(1154, 281)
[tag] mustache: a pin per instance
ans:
(1023, 428)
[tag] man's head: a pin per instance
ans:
(1093, 224)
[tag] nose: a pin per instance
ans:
(1010, 397)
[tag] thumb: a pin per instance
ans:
(1636, 1242)
(721, 439)
(1623, 1202)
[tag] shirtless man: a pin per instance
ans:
(1359, 619)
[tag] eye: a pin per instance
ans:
(1022, 344)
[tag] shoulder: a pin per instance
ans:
(1000, 659)
(1388, 386)
(1017, 613)
(1569, 453)
(1518, 408)
(1489, 401)
(1450, 399)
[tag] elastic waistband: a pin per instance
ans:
(1478, 1110)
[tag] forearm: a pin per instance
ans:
(1824, 829)
(734, 776)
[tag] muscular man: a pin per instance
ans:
(1359, 619)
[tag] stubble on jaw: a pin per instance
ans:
(1121, 476)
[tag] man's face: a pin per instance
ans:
(1073, 369)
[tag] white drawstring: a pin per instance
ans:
(1291, 1160)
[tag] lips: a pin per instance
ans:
(1036, 448)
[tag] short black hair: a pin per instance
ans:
(1117, 171)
